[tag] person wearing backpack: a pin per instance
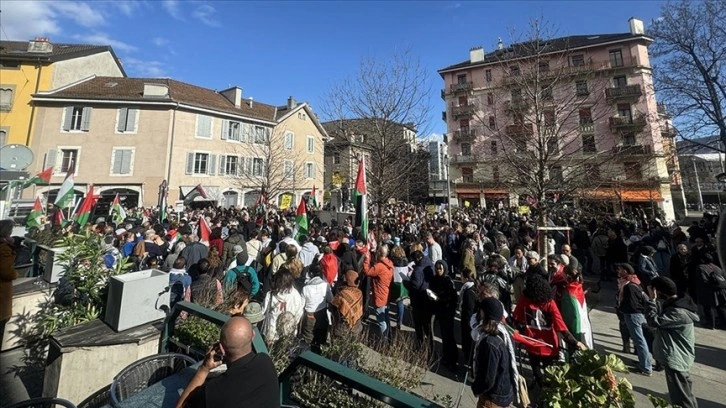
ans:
(711, 286)
(242, 272)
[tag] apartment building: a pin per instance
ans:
(701, 161)
(28, 67)
(128, 135)
(438, 171)
(590, 100)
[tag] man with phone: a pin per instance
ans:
(250, 380)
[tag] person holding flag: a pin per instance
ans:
(313, 199)
(360, 199)
(35, 218)
(84, 211)
(301, 220)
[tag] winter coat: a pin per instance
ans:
(419, 282)
(7, 275)
(277, 305)
(674, 344)
(647, 270)
(194, 252)
(708, 294)
(227, 252)
(445, 291)
(382, 274)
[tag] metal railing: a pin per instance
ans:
(633, 149)
(623, 92)
(634, 122)
(462, 87)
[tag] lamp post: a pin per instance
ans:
(698, 184)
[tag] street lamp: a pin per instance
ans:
(698, 184)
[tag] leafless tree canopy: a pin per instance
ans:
(538, 121)
(386, 103)
(690, 65)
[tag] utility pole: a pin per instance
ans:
(698, 184)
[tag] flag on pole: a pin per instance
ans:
(197, 191)
(84, 211)
(117, 212)
(59, 218)
(35, 216)
(163, 207)
(526, 340)
(314, 202)
(204, 231)
(360, 195)
(301, 219)
(574, 312)
(41, 179)
(66, 191)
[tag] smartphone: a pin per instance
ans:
(217, 356)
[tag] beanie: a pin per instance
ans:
(492, 308)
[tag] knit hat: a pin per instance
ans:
(253, 312)
(532, 255)
(492, 308)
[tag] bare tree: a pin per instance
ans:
(537, 124)
(386, 102)
(690, 68)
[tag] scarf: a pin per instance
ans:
(477, 335)
(466, 286)
(624, 281)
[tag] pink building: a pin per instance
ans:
(584, 105)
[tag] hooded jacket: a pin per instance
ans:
(674, 344)
(444, 289)
(421, 276)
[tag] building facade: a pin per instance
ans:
(590, 100)
(128, 135)
(28, 67)
(701, 161)
(438, 171)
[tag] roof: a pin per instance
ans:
(703, 145)
(18, 50)
(132, 89)
(518, 50)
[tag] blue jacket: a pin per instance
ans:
(230, 279)
(647, 270)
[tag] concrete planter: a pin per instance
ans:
(136, 298)
(48, 263)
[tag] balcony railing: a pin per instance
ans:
(520, 130)
(517, 105)
(462, 87)
(624, 123)
(663, 109)
(461, 109)
(465, 134)
(632, 150)
(461, 158)
(668, 131)
(587, 127)
(623, 92)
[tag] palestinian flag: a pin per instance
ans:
(41, 179)
(117, 213)
(360, 199)
(84, 211)
(197, 191)
(163, 207)
(35, 217)
(573, 308)
(66, 192)
(301, 219)
(526, 340)
(204, 231)
(313, 199)
(59, 218)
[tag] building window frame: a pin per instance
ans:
(310, 144)
(9, 89)
(310, 170)
(60, 165)
(201, 163)
(289, 142)
(122, 114)
(112, 172)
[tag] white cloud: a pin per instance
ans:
(25, 20)
(149, 69)
(205, 13)
(81, 13)
(172, 7)
(127, 7)
(99, 38)
(160, 41)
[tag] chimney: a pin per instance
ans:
(291, 103)
(234, 95)
(636, 26)
(476, 54)
(500, 44)
(252, 102)
(40, 44)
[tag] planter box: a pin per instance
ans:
(136, 298)
(48, 264)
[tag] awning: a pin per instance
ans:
(630, 195)
(468, 195)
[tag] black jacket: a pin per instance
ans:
(492, 368)
(633, 299)
(444, 289)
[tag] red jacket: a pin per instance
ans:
(382, 274)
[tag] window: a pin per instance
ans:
(490, 99)
(463, 123)
(624, 112)
(544, 67)
(629, 139)
(6, 98)
(516, 96)
(492, 123)
(467, 174)
(495, 174)
(301, 115)
(514, 71)
(633, 171)
(311, 144)
(3, 136)
(577, 60)
(466, 149)
(616, 58)
(309, 170)
(336, 158)
(581, 88)
(556, 173)
(585, 116)
(288, 171)
(549, 117)
(588, 143)
(204, 127)
(488, 75)
(201, 163)
(553, 145)
(461, 79)
(258, 167)
(493, 146)
(620, 82)
(77, 118)
(592, 172)
(289, 140)
(69, 158)
(126, 121)
(229, 165)
(260, 135)
(122, 161)
(547, 92)
(231, 130)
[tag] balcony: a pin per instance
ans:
(627, 124)
(458, 110)
(520, 130)
(628, 92)
(663, 110)
(465, 134)
(517, 105)
(632, 150)
(668, 131)
(463, 159)
(587, 128)
(461, 87)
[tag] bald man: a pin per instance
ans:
(250, 380)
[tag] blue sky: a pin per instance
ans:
(276, 49)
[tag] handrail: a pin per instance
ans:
(352, 378)
(213, 316)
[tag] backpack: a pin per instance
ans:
(716, 278)
(243, 275)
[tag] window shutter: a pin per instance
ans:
(67, 118)
(222, 164)
(244, 137)
(225, 129)
(131, 120)
(126, 156)
(314, 171)
(50, 159)
(267, 135)
(248, 165)
(118, 156)
(190, 163)
(86, 118)
(212, 165)
(204, 126)
(241, 170)
(123, 114)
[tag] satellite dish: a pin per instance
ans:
(15, 157)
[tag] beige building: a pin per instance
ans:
(127, 135)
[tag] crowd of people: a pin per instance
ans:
(508, 282)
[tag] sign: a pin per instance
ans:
(286, 201)
(466, 203)
(523, 209)
(431, 209)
